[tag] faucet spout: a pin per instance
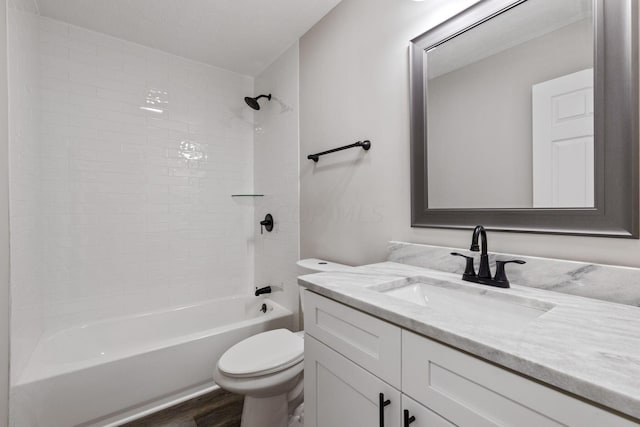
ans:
(479, 232)
(265, 290)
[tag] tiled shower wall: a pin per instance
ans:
(26, 178)
(122, 179)
(142, 152)
(276, 176)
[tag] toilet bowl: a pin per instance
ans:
(267, 369)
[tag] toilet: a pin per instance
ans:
(267, 369)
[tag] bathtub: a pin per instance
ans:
(92, 374)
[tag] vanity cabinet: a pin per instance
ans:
(343, 393)
(352, 359)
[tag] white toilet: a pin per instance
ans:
(268, 369)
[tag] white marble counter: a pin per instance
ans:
(606, 282)
(587, 347)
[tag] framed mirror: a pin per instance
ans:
(524, 117)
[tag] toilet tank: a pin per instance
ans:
(315, 265)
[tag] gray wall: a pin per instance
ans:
(4, 224)
(354, 84)
(481, 114)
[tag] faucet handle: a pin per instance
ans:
(501, 276)
(266, 224)
(469, 270)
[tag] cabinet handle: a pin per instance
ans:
(408, 419)
(383, 403)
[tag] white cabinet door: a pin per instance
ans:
(473, 393)
(563, 142)
(416, 415)
(368, 341)
(339, 393)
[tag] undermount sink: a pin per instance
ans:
(485, 307)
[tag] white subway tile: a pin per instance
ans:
(105, 202)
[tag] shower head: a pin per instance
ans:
(253, 102)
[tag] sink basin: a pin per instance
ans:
(481, 307)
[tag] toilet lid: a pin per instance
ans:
(263, 354)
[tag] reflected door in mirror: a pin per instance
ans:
(563, 142)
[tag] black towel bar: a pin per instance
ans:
(366, 145)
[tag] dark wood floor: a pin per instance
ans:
(216, 409)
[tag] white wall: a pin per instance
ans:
(4, 223)
(276, 176)
(354, 84)
(135, 206)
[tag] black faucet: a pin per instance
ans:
(265, 290)
(484, 273)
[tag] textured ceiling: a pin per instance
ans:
(239, 35)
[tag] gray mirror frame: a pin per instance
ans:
(616, 121)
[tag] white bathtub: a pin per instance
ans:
(92, 373)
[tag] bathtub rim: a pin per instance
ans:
(34, 373)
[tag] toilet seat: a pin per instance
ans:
(263, 354)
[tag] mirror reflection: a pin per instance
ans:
(510, 111)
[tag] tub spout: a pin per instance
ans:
(265, 290)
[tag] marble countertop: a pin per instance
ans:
(587, 347)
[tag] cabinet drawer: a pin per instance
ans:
(471, 392)
(339, 393)
(368, 341)
(424, 417)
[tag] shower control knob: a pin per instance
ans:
(266, 224)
